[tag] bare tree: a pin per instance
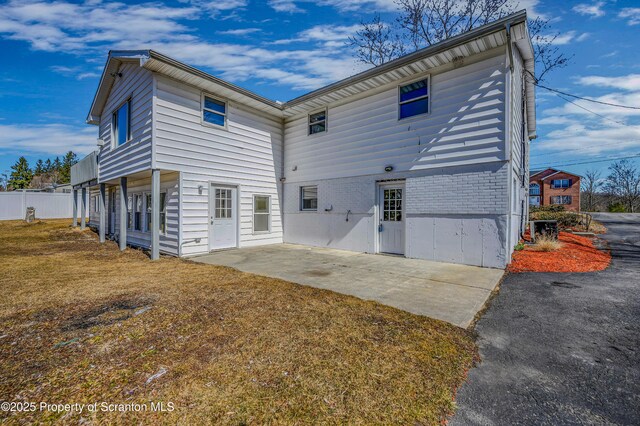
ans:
(624, 183)
(590, 183)
(376, 43)
(421, 23)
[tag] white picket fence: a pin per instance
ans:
(48, 205)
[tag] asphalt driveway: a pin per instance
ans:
(445, 291)
(562, 348)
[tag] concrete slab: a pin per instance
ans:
(445, 291)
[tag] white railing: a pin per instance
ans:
(85, 170)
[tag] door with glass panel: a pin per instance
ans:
(391, 227)
(223, 217)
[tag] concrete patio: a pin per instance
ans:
(445, 291)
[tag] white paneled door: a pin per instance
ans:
(223, 217)
(391, 227)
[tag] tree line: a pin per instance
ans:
(619, 191)
(44, 174)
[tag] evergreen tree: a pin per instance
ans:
(69, 160)
(56, 166)
(21, 174)
(39, 169)
(47, 166)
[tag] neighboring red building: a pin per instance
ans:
(552, 186)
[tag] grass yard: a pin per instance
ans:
(81, 322)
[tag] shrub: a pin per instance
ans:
(617, 208)
(519, 246)
(546, 242)
(551, 208)
(565, 219)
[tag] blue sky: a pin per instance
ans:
(52, 53)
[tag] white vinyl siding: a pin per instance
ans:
(134, 156)
(248, 153)
(466, 126)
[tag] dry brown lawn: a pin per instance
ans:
(81, 322)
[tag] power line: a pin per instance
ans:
(585, 162)
(593, 112)
(582, 149)
(586, 99)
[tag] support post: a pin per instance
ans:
(155, 214)
(83, 213)
(123, 213)
(75, 208)
(102, 199)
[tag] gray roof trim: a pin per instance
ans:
(145, 55)
(499, 25)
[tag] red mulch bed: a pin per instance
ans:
(578, 254)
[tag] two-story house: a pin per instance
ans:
(554, 187)
(425, 156)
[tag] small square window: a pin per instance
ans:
(414, 99)
(318, 122)
(214, 111)
(309, 198)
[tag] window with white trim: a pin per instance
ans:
(309, 198)
(148, 205)
(318, 122)
(214, 111)
(130, 211)
(137, 212)
(561, 199)
(561, 183)
(261, 213)
(96, 203)
(534, 189)
(121, 123)
(414, 99)
(163, 212)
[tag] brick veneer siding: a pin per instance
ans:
(547, 191)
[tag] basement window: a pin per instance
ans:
(318, 122)
(214, 111)
(309, 198)
(413, 99)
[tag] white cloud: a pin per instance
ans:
(593, 9)
(568, 37)
(240, 31)
(50, 139)
(578, 132)
(88, 32)
(294, 6)
(288, 6)
(76, 72)
(629, 82)
(632, 14)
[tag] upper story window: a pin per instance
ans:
(561, 183)
(122, 124)
(309, 198)
(534, 189)
(214, 111)
(318, 122)
(414, 98)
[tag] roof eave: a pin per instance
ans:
(444, 45)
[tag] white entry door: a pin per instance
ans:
(223, 217)
(391, 227)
